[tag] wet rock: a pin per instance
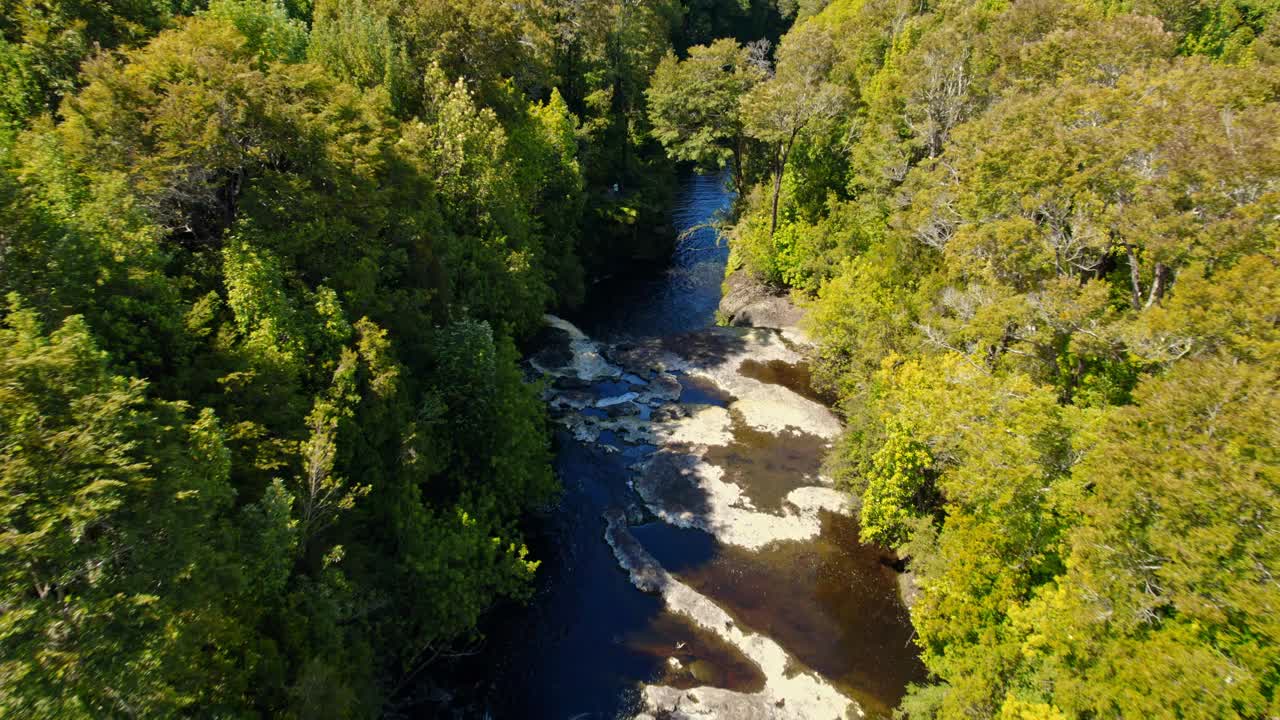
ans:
(616, 400)
(636, 514)
(908, 588)
(665, 387)
(682, 489)
(765, 406)
(632, 429)
(670, 486)
(572, 399)
(555, 352)
(802, 694)
(703, 425)
(705, 348)
(668, 413)
(769, 465)
(625, 409)
(583, 432)
(812, 500)
(642, 359)
(773, 408)
(571, 382)
(585, 362)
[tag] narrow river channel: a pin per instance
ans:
(698, 561)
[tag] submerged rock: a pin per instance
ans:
(791, 691)
(617, 399)
(704, 672)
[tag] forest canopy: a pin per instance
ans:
(266, 448)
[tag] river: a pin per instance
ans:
(697, 559)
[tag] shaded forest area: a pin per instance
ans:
(1038, 241)
(265, 448)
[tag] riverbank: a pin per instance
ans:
(747, 302)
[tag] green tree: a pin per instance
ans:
(114, 508)
(1060, 278)
(1171, 557)
(896, 488)
(778, 109)
(267, 27)
(42, 45)
(355, 43)
(695, 105)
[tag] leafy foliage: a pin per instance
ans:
(276, 455)
(115, 513)
(695, 103)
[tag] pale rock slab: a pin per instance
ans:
(791, 691)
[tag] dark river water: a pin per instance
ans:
(588, 638)
(682, 298)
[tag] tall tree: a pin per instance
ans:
(799, 94)
(113, 536)
(696, 107)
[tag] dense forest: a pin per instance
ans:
(265, 446)
(1039, 243)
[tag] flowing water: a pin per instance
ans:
(697, 555)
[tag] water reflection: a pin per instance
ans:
(684, 296)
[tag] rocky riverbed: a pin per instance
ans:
(723, 438)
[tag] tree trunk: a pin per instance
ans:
(1158, 284)
(1135, 283)
(737, 164)
(779, 165)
